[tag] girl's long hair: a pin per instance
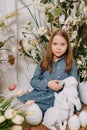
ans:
(46, 63)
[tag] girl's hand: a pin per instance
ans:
(53, 84)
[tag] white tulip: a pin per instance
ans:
(62, 19)
(62, 1)
(42, 31)
(16, 127)
(2, 119)
(79, 62)
(18, 119)
(10, 113)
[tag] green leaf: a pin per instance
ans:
(45, 1)
(63, 4)
(57, 11)
(85, 128)
(7, 102)
(85, 1)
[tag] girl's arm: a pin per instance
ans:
(38, 81)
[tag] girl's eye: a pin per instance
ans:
(54, 43)
(62, 44)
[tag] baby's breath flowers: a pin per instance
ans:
(82, 68)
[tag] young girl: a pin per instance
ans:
(57, 64)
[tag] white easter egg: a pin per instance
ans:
(83, 118)
(34, 114)
(74, 123)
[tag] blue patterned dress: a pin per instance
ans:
(43, 95)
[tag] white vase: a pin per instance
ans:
(83, 92)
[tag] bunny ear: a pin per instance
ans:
(70, 81)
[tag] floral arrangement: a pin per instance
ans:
(10, 119)
(48, 16)
(68, 15)
(8, 48)
(13, 115)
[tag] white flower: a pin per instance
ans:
(10, 113)
(69, 20)
(2, 119)
(82, 4)
(84, 74)
(61, 19)
(37, 5)
(85, 8)
(16, 127)
(33, 53)
(42, 31)
(18, 119)
(74, 34)
(79, 62)
(62, 1)
(48, 7)
(65, 27)
(26, 45)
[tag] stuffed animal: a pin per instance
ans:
(63, 105)
(71, 92)
(58, 114)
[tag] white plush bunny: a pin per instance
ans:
(71, 93)
(58, 114)
(63, 105)
(70, 90)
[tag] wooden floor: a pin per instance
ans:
(42, 127)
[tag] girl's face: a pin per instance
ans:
(59, 47)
